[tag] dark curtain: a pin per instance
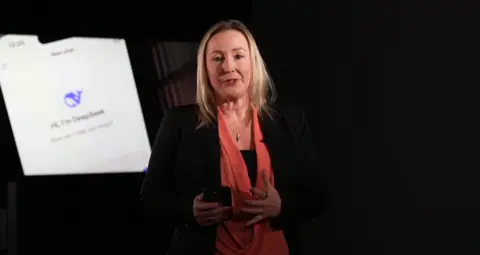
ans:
(175, 64)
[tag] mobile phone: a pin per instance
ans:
(222, 195)
(70, 82)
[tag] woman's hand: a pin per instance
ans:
(209, 213)
(268, 206)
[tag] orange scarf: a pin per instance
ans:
(232, 236)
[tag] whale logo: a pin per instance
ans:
(73, 99)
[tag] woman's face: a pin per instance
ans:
(229, 65)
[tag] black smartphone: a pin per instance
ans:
(222, 195)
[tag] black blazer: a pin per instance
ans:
(185, 160)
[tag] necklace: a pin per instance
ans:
(237, 137)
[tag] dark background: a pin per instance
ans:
(390, 89)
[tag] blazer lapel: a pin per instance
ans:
(209, 146)
(277, 141)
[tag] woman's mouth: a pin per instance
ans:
(229, 82)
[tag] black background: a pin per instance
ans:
(391, 92)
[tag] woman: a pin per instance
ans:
(233, 137)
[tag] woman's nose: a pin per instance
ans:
(228, 65)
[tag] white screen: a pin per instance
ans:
(73, 106)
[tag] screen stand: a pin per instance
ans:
(12, 218)
(3, 231)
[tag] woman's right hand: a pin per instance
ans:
(209, 213)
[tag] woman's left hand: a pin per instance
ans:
(268, 206)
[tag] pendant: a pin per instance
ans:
(237, 138)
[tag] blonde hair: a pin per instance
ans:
(262, 89)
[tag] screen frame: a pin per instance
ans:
(144, 73)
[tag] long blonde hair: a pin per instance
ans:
(262, 89)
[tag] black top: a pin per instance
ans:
(250, 158)
(185, 160)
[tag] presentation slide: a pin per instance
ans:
(73, 106)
